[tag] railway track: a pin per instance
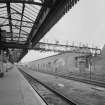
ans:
(49, 95)
(73, 77)
(87, 81)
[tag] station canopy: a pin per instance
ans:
(24, 22)
(17, 19)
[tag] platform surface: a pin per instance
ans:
(15, 90)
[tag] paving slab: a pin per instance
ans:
(15, 90)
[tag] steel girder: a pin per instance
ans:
(21, 1)
(9, 19)
(51, 47)
(49, 17)
(13, 45)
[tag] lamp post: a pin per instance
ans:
(90, 64)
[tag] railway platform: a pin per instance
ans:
(15, 90)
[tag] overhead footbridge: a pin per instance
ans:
(24, 22)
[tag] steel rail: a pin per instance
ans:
(87, 81)
(33, 86)
(50, 88)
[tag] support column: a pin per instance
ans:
(1, 65)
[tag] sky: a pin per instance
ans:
(84, 23)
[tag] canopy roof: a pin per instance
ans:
(18, 18)
(24, 22)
